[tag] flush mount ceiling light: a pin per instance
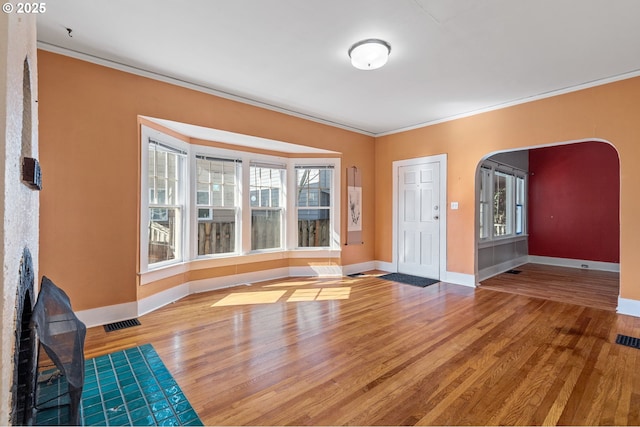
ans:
(369, 54)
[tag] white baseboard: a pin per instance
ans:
(358, 268)
(222, 282)
(155, 301)
(109, 314)
(630, 307)
(386, 266)
(316, 271)
(575, 263)
(485, 273)
(460, 279)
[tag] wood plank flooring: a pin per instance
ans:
(365, 351)
(591, 288)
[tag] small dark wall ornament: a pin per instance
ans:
(31, 173)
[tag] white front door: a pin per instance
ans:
(418, 220)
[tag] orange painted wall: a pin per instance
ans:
(610, 112)
(89, 155)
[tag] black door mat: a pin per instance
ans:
(115, 326)
(514, 271)
(628, 341)
(408, 279)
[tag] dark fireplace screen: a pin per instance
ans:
(62, 335)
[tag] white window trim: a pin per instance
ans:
(276, 163)
(243, 236)
(490, 239)
(334, 211)
(146, 134)
(192, 188)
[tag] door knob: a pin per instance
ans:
(436, 217)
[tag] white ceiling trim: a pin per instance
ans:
(550, 94)
(188, 85)
(182, 83)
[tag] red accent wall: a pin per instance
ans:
(574, 201)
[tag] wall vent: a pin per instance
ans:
(628, 341)
(115, 326)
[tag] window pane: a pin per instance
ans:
(202, 196)
(164, 234)
(265, 185)
(313, 227)
(161, 191)
(161, 164)
(203, 170)
(229, 195)
(519, 205)
(519, 191)
(314, 198)
(275, 198)
(499, 204)
(172, 166)
(216, 195)
(152, 189)
(264, 197)
(485, 196)
(314, 187)
(218, 178)
(265, 229)
(216, 175)
(172, 192)
(152, 163)
(216, 234)
(503, 206)
(325, 198)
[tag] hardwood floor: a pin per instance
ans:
(365, 351)
(591, 288)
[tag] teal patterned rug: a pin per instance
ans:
(127, 388)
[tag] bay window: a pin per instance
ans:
(200, 202)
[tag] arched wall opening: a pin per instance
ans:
(572, 212)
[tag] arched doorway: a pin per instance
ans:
(569, 227)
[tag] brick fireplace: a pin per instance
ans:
(19, 202)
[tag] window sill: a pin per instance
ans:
(501, 241)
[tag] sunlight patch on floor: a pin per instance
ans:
(304, 295)
(334, 293)
(270, 297)
(242, 298)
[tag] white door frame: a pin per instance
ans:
(442, 159)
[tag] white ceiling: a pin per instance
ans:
(449, 58)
